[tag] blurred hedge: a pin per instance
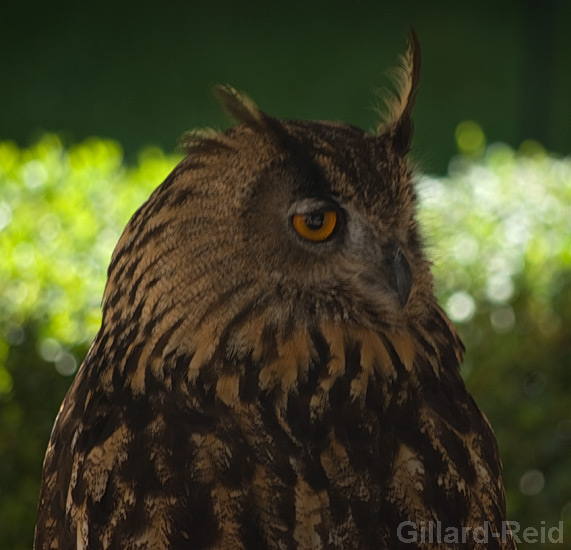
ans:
(498, 229)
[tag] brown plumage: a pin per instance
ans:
(272, 369)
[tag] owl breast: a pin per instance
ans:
(330, 438)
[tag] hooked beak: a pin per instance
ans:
(401, 277)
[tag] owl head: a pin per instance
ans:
(287, 221)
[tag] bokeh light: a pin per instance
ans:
(532, 483)
(470, 138)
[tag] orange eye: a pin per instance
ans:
(315, 226)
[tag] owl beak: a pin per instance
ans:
(401, 277)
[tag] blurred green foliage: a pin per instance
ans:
(61, 212)
(498, 228)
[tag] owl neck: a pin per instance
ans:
(251, 357)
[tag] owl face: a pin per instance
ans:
(329, 219)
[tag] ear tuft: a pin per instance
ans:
(239, 106)
(397, 114)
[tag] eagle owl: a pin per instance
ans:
(273, 370)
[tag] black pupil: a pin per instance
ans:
(314, 220)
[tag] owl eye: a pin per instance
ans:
(316, 226)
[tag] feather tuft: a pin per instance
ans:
(239, 106)
(397, 105)
(191, 138)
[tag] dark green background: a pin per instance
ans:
(140, 72)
